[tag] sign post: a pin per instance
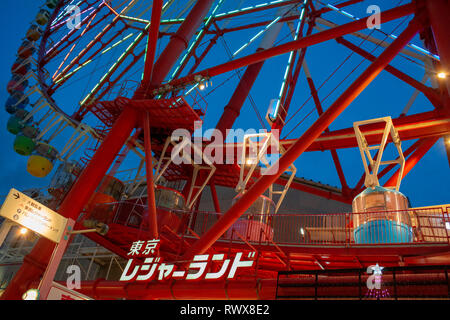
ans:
(27, 212)
(59, 292)
(47, 280)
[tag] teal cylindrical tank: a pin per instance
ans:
(14, 125)
(380, 215)
(24, 145)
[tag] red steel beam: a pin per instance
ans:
(152, 215)
(290, 18)
(313, 39)
(411, 127)
(439, 16)
(430, 93)
(288, 92)
(233, 108)
(417, 126)
(179, 42)
(198, 60)
(216, 202)
(421, 150)
(36, 261)
(152, 40)
(258, 188)
(334, 154)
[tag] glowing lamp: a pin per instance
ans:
(32, 294)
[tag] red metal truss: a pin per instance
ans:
(152, 39)
(239, 207)
(313, 39)
(160, 117)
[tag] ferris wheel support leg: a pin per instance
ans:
(36, 261)
(438, 12)
(302, 143)
(152, 218)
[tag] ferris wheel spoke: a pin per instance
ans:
(55, 49)
(106, 77)
(112, 83)
(58, 83)
(97, 39)
(73, 47)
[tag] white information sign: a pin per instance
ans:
(60, 292)
(31, 214)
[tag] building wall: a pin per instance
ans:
(296, 201)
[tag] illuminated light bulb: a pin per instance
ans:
(302, 231)
(442, 75)
(201, 86)
(23, 230)
(249, 161)
(32, 294)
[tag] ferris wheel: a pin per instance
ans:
(98, 83)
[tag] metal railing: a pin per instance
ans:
(425, 225)
(429, 225)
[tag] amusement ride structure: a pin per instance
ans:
(143, 76)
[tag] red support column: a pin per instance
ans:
(152, 40)
(151, 204)
(36, 261)
(212, 186)
(179, 41)
(233, 108)
(258, 188)
(412, 160)
(439, 15)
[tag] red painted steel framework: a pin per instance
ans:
(430, 19)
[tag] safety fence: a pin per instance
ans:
(421, 225)
(430, 225)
